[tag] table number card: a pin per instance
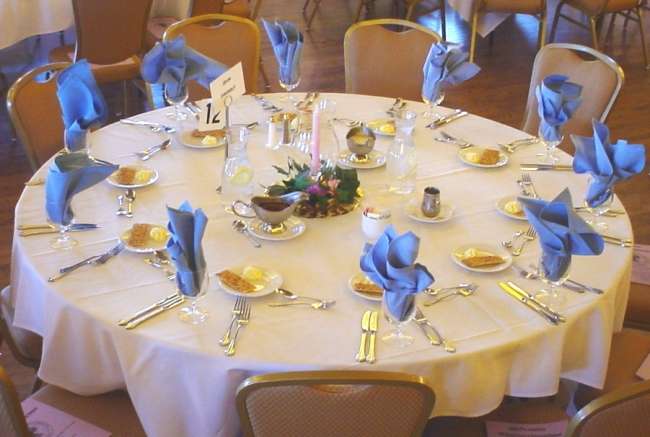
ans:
(227, 87)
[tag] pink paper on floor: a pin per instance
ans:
(46, 421)
(641, 264)
(507, 429)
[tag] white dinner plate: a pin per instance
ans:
(414, 212)
(151, 245)
(376, 125)
(294, 227)
(112, 179)
(496, 250)
(264, 286)
(501, 207)
(375, 159)
(361, 277)
(195, 142)
(462, 154)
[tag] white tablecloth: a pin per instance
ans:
(177, 375)
(20, 19)
(487, 22)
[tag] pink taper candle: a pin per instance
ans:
(315, 141)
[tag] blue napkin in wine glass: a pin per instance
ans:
(68, 175)
(173, 64)
(287, 42)
(82, 103)
(606, 162)
(446, 65)
(557, 101)
(390, 263)
(561, 232)
(185, 247)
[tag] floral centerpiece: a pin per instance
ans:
(332, 191)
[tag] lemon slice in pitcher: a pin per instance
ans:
(242, 176)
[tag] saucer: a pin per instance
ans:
(150, 244)
(374, 159)
(463, 154)
(501, 207)
(293, 227)
(414, 212)
(193, 142)
(265, 285)
(361, 277)
(493, 249)
(384, 127)
(152, 177)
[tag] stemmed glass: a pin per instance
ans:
(601, 209)
(63, 240)
(178, 102)
(432, 104)
(396, 336)
(549, 156)
(193, 313)
(289, 80)
(555, 278)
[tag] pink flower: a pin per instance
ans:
(316, 190)
(333, 184)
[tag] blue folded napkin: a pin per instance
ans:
(82, 103)
(185, 248)
(561, 233)
(286, 41)
(390, 263)
(607, 163)
(446, 65)
(557, 101)
(68, 175)
(173, 64)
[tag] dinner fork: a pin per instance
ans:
(514, 145)
(236, 311)
(146, 154)
(530, 235)
(348, 122)
(242, 320)
(446, 138)
(525, 178)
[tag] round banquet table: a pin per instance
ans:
(177, 375)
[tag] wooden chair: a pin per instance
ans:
(112, 411)
(600, 76)
(621, 413)
(384, 62)
(110, 35)
(225, 38)
(344, 403)
(410, 10)
(25, 346)
(39, 126)
(595, 10)
(537, 8)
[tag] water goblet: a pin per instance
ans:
(553, 271)
(178, 102)
(194, 313)
(63, 240)
(289, 81)
(549, 156)
(600, 209)
(432, 104)
(396, 335)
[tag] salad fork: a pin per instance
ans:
(526, 180)
(530, 235)
(236, 312)
(242, 319)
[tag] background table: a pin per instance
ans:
(177, 375)
(487, 22)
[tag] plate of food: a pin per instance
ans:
(384, 126)
(510, 207)
(482, 258)
(196, 139)
(249, 281)
(363, 287)
(145, 238)
(133, 176)
(482, 157)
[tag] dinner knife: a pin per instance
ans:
(159, 310)
(512, 292)
(446, 120)
(48, 226)
(559, 317)
(146, 310)
(545, 167)
(374, 324)
(45, 231)
(365, 326)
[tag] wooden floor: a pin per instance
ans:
(498, 92)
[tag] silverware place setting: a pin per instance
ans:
(151, 311)
(446, 138)
(265, 104)
(147, 153)
(457, 114)
(440, 294)
(525, 182)
(236, 312)
(241, 227)
(295, 299)
(93, 260)
(526, 237)
(306, 103)
(398, 105)
(569, 284)
(613, 212)
(545, 167)
(512, 146)
(348, 122)
(428, 329)
(154, 127)
(623, 242)
(46, 228)
(243, 318)
(368, 342)
(529, 300)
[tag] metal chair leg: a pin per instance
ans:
(410, 10)
(593, 24)
(472, 43)
(639, 13)
(265, 78)
(313, 14)
(556, 18)
(541, 33)
(304, 7)
(443, 19)
(359, 9)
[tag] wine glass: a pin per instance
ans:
(396, 335)
(553, 270)
(432, 103)
(63, 240)
(289, 79)
(193, 313)
(549, 156)
(600, 209)
(178, 101)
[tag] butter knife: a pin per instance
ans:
(365, 326)
(159, 310)
(148, 309)
(374, 324)
(512, 292)
(559, 317)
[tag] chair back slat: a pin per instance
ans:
(12, 419)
